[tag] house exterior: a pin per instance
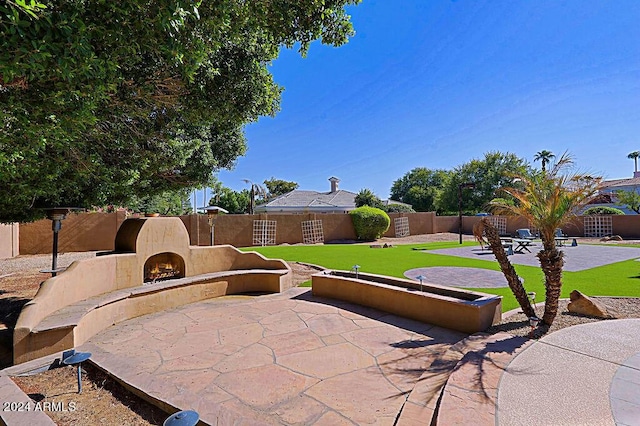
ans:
(607, 196)
(303, 201)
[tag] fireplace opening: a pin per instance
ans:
(163, 266)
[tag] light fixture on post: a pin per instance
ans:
(462, 185)
(421, 277)
(56, 215)
(212, 214)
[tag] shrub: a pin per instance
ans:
(399, 208)
(601, 210)
(369, 222)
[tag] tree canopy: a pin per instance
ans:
(421, 188)
(232, 201)
(277, 187)
(630, 199)
(101, 101)
(494, 171)
(367, 197)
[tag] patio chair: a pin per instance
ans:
(525, 234)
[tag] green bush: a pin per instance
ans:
(601, 210)
(369, 222)
(399, 208)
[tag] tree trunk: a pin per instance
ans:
(551, 261)
(507, 268)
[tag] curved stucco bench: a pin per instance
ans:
(75, 324)
(93, 294)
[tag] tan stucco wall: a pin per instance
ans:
(80, 232)
(9, 240)
(97, 231)
(118, 271)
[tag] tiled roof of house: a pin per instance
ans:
(621, 182)
(302, 199)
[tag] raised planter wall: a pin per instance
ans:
(453, 308)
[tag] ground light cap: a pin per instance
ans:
(76, 358)
(182, 418)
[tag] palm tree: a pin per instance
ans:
(544, 156)
(256, 189)
(634, 155)
(549, 201)
(483, 229)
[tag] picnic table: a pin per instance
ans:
(518, 245)
(560, 241)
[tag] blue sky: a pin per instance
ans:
(438, 83)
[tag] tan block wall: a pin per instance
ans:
(96, 231)
(9, 240)
(80, 232)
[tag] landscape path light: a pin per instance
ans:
(421, 277)
(77, 358)
(355, 268)
(533, 322)
(462, 185)
(182, 418)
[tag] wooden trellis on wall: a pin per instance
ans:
(312, 232)
(264, 232)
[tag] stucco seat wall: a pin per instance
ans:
(117, 279)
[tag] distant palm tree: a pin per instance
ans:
(544, 156)
(256, 189)
(634, 155)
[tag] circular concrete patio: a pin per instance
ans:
(459, 277)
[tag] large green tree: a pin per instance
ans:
(104, 101)
(232, 201)
(631, 199)
(421, 188)
(277, 187)
(493, 171)
(367, 197)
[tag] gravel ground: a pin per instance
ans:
(37, 262)
(518, 324)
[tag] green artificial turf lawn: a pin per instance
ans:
(617, 279)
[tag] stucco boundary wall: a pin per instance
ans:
(9, 240)
(96, 231)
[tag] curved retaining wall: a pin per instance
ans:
(117, 280)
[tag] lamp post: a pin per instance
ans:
(462, 185)
(212, 214)
(56, 215)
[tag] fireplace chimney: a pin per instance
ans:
(334, 183)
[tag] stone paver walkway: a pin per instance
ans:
(579, 258)
(278, 359)
(454, 276)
